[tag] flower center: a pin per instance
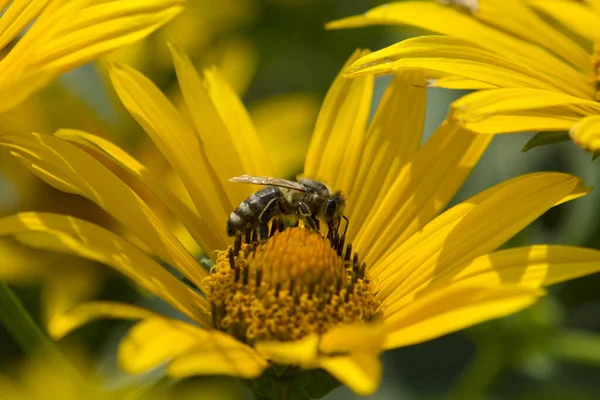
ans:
(292, 284)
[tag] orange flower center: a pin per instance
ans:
(290, 285)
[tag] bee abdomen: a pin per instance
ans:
(256, 209)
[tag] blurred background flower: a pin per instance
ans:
(281, 60)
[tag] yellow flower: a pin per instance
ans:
(540, 57)
(63, 34)
(405, 272)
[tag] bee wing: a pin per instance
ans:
(268, 181)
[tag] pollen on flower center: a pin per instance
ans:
(292, 284)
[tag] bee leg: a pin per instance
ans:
(317, 223)
(347, 223)
(306, 215)
(266, 215)
(263, 231)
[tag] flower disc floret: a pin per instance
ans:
(292, 284)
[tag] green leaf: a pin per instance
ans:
(290, 383)
(544, 138)
(21, 326)
(321, 384)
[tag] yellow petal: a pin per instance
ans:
(454, 308)
(224, 147)
(238, 122)
(74, 236)
(194, 224)
(477, 110)
(529, 267)
(217, 353)
(178, 143)
(62, 324)
(533, 266)
(594, 4)
(457, 82)
(586, 133)
(346, 339)
(154, 341)
(393, 138)
(236, 58)
(338, 139)
(303, 352)
(64, 288)
(102, 27)
(501, 101)
(532, 121)
(361, 372)
(22, 264)
(447, 55)
(516, 17)
(520, 110)
(67, 34)
(15, 91)
(17, 63)
(69, 168)
(284, 124)
(449, 21)
(474, 227)
(16, 17)
(420, 191)
(576, 16)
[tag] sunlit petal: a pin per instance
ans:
(78, 237)
(516, 17)
(154, 341)
(194, 224)
(420, 190)
(449, 310)
(62, 324)
(361, 372)
(163, 123)
(217, 353)
(304, 352)
(102, 27)
(69, 168)
(393, 138)
(450, 21)
(474, 227)
(448, 55)
(62, 35)
(228, 153)
(338, 139)
(586, 133)
(576, 16)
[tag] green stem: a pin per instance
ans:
(480, 374)
(21, 326)
(577, 346)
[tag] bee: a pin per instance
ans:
(305, 199)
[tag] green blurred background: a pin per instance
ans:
(281, 60)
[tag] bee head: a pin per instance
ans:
(334, 208)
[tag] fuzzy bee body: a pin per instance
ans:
(305, 199)
(257, 209)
